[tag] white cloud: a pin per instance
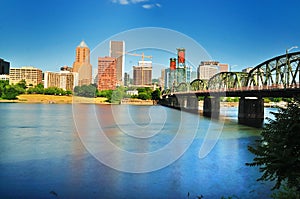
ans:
(138, 1)
(148, 6)
(145, 6)
(123, 2)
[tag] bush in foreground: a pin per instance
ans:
(277, 153)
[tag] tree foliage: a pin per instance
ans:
(11, 91)
(155, 95)
(54, 91)
(38, 89)
(85, 91)
(277, 152)
(144, 93)
(22, 84)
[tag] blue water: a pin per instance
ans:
(43, 153)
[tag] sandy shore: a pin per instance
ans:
(55, 99)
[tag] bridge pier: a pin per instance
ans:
(211, 106)
(187, 103)
(251, 112)
(192, 104)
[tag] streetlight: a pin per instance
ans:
(291, 48)
(287, 65)
(231, 67)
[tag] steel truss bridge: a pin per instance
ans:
(276, 77)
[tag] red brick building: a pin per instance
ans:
(107, 73)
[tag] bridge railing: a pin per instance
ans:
(241, 89)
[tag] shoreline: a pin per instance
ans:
(55, 99)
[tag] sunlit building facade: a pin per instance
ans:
(117, 50)
(207, 69)
(142, 74)
(33, 76)
(64, 79)
(107, 76)
(82, 64)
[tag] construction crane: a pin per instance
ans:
(138, 55)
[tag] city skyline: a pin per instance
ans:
(242, 34)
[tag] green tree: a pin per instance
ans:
(144, 93)
(116, 96)
(144, 96)
(155, 95)
(277, 153)
(54, 91)
(38, 89)
(69, 92)
(22, 84)
(3, 83)
(10, 92)
(85, 91)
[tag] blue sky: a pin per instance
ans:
(245, 33)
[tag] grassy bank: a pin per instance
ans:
(54, 99)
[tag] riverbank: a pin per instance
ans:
(54, 99)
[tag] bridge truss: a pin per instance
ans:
(277, 73)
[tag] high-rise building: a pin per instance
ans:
(82, 64)
(107, 76)
(223, 67)
(33, 76)
(126, 79)
(4, 67)
(170, 78)
(207, 69)
(63, 79)
(117, 50)
(162, 78)
(142, 74)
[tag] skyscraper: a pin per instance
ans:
(207, 69)
(4, 67)
(107, 78)
(117, 50)
(126, 79)
(142, 74)
(223, 67)
(82, 64)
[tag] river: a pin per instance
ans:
(124, 151)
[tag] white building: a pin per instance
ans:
(207, 69)
(4, 77)
(64, 79)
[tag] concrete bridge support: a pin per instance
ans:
(192, 104)
(186, 103)
(182, 102)
(251, 112)
(211, 107)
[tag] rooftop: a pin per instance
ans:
(82, 45)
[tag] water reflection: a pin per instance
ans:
(40, 156)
